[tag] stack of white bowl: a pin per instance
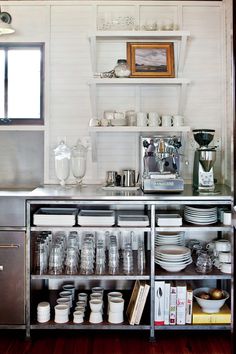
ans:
(43, 312)
(61, 314)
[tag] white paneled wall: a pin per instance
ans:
(65, 25)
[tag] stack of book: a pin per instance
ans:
(137, 302)
(173, 303)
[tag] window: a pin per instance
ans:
(21, 83)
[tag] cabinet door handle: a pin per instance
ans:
(1, 268)
(11, 245)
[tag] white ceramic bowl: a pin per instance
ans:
(209, 306)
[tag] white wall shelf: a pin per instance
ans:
(140, 34)
(132, 129)
(138, 81)
(101, 36)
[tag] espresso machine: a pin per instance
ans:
(160, 164)
(204, 159)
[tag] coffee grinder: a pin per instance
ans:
(204, 159)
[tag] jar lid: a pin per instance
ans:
(121, 61)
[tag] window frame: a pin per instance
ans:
(24, 121)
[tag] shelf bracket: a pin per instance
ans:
(93, 53)
(93, 99)
(183, 45)
(182, 96)
(94, 146)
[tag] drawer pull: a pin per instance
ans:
(12, 245)
(1, 268)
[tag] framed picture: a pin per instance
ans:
(151, 59)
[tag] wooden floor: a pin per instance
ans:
(174, 342)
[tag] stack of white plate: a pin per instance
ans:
(96, 217)
(172, 258)
(200, 215)
(169, 238)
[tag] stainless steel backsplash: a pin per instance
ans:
(21, 158)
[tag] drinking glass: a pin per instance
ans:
(204, 262)
(141, 258)
(56, 260)
(113, 255)
(100, 257)
(128, 259)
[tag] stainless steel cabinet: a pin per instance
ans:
(37, 284)
(12, 277)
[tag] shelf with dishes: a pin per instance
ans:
(80, 309)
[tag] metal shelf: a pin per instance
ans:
(90, 229)
(195, 227)
(200, 327)
(189, 273)
(88, 326)
(89, 277)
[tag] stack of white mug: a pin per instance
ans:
(221, 250)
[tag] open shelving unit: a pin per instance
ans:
(153, 272)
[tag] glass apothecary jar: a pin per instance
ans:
(122, 68)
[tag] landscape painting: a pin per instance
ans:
(151, 59)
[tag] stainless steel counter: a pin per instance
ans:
(95, 192)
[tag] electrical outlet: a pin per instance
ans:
(217, 142)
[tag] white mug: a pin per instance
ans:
(108, 114)
(166, 121)
(141, 119)
(94, 122)
(225, 268)
(211, 246)
(131, 117)
(227, 218)
(153, 119)
(222, 245)
(119, 115)
(178, 120)
(224, 257)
